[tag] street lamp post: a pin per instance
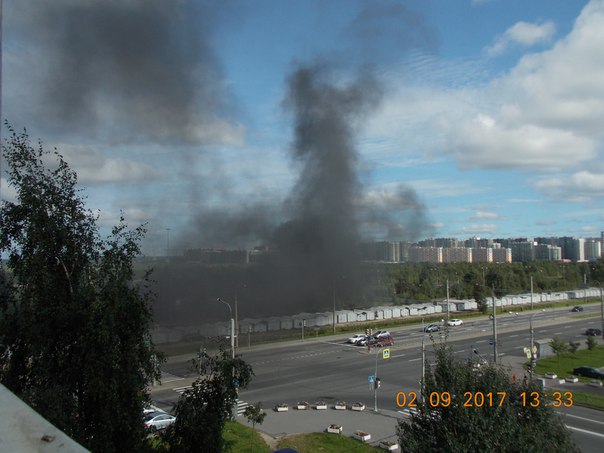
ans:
(421, 392)
(375, 383)
(601, 305)
(232, 326)
(533, 354)
(494, 326)
(447, 302)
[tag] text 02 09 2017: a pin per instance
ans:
(487, 399)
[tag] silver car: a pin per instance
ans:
(356, 338)
(158, 420)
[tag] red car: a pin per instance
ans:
(379, 342)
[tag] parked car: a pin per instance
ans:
(385, 341)
(375, 341)
(368, 340)
(432, 328)
(356, 338)
(591, 332)
(158, 420)
(577, 308)
(588, 371)
(149, 409)
(455, 322)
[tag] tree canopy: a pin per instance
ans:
(202, 410)
(471, 408)
(74, 328)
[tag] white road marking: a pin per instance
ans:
(581, 418)
(585, 431)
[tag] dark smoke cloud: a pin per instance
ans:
(397, 215)
(238, 227)
(316, 232)
(143, 66)
(322, 234)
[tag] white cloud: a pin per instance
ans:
(485, 143)
(544, 115)
(523, 33)
(93, 167)
(436, 188)
(579, 186)
(480, 229)
(483, 215)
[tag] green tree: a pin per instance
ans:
(465, 411)
(559, 347)
(202, 410)
(254, 414)
(480, 296)
(573, 346)
(73, 331)
(591, 343)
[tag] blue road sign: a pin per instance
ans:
(371, 378)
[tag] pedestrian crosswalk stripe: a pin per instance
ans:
(241, 405)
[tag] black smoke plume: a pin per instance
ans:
(144, 67)
(320, 239)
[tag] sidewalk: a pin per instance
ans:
(381, 425)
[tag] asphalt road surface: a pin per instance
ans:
(330, 370)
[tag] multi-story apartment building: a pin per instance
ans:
(385, 251)
(441, 242)
(457, 255)
(476, 243)
(482, 255)
(426, 254)
(522, 251)
(547, 252)
(502, 255)
(593, 249)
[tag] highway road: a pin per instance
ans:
(331, 370)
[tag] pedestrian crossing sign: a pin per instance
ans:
(386, 353)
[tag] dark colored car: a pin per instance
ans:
(577, 308)
(591, 332)
(588, 371)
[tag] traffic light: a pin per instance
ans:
(366, 331)
(378, 383)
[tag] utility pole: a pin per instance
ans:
(232, 327)
(601, 308)
(533, 355)
(334, 310)
(376, 382)
(447, 323)
(494, 326)
(236, 324)
(421, 394)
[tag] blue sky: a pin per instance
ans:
(491, 113)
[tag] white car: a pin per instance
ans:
(382, 334)
(455, 322)
(158, 420)
(356, 338)
(432, 328)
